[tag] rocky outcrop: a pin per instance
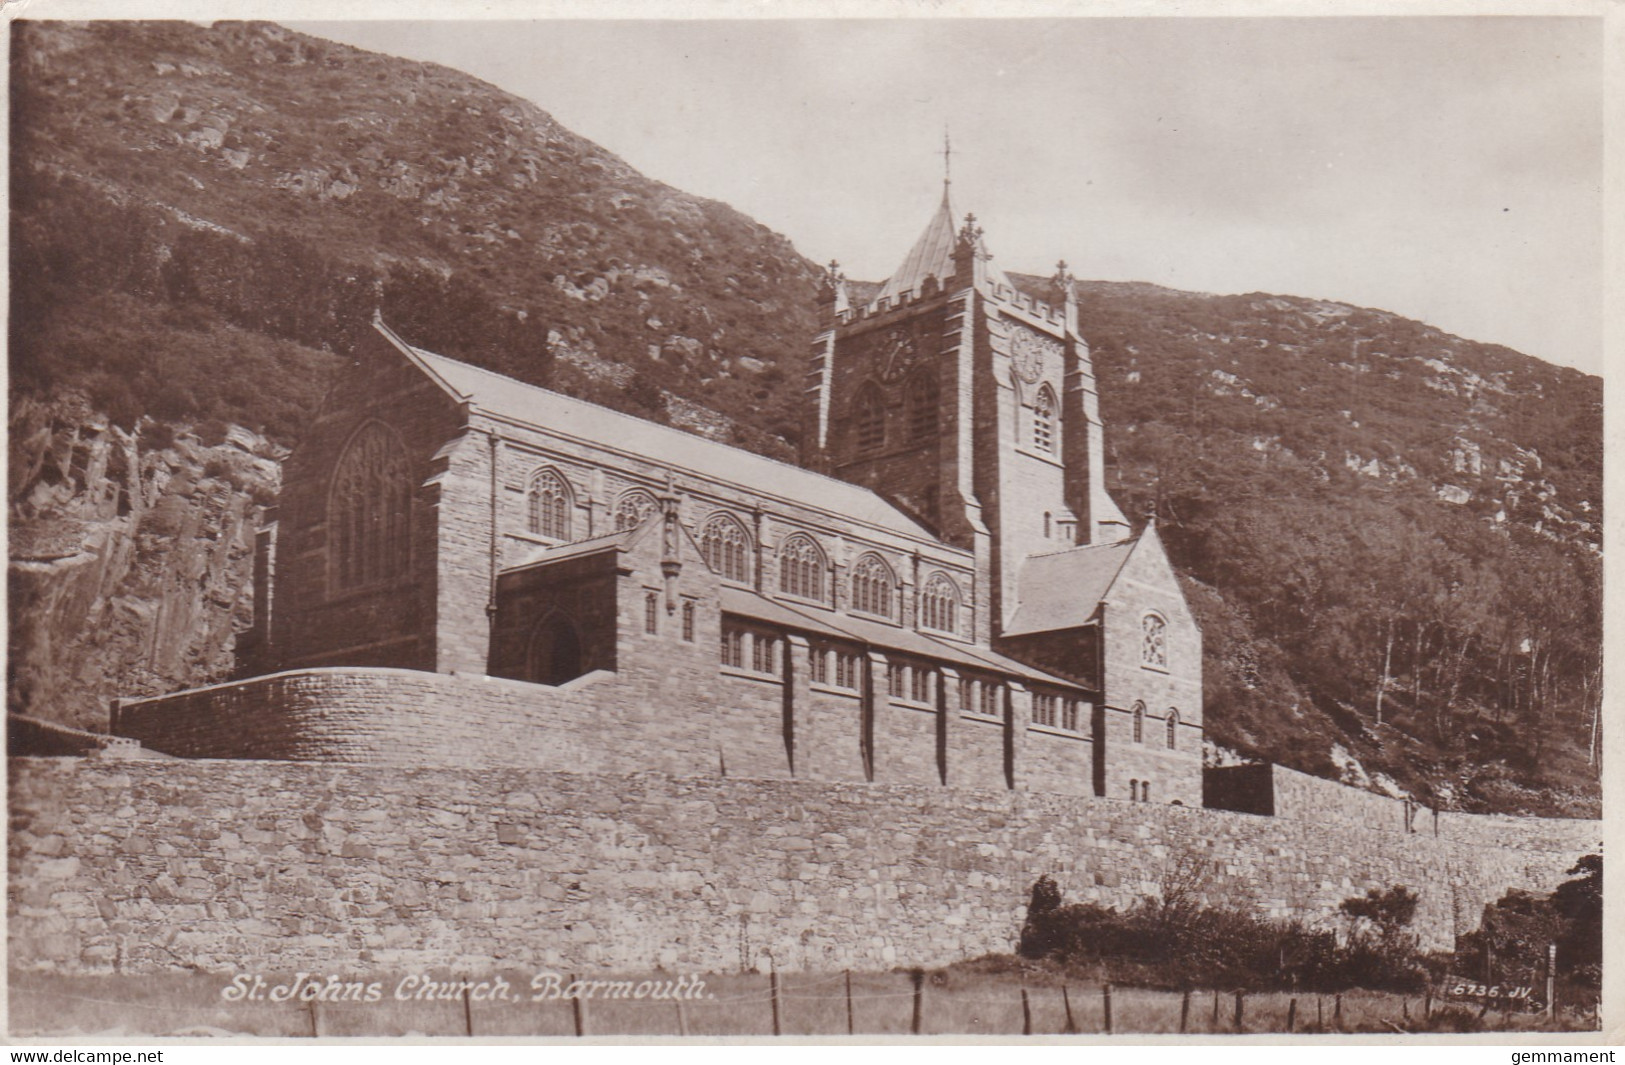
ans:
(131, 556)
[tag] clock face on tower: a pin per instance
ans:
(897, 354)
(1029, 351)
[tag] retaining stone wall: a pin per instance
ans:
(1302, 797)
(283, 866)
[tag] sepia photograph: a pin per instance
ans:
(1041, 528)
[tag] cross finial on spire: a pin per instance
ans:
(947, 159)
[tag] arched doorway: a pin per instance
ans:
(554, 655)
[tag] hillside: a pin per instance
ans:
(203, 218)
(1355, 496)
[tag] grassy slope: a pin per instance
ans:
(960, 1000)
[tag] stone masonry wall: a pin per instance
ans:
(1302, 797)
(280, 866)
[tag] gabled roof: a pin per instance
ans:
(933, 255)
(550, 553)
(1061, 590)
(505, 397)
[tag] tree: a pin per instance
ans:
(1391, 911)
(1579, 903)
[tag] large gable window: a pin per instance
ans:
(801, 568)
(872, 584)
(1153, 642)
(549, 498)
(726, 546)
(939, 604)
(368, 509)
(633, 508)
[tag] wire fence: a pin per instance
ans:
(838, 1004)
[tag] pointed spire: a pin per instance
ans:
(936, 253)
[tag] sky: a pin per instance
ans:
(1445, 169)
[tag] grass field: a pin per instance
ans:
(955, 1001)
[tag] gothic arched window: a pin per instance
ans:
(939, 604)
(726, 547)
(1139, 722)
(923, 396)
(872, 584)
(1173, 728)
(801, 568)
(1154, 643)
(634, 506)
(367, 508)
(550, 502)
(869, 418)
(1044, 420)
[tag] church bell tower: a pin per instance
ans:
(967, 403)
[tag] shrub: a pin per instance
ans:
(1176, 941)
(1510, 944)
(157, 435)
(211, 432)
(218, 468)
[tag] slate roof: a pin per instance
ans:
(933, 256)
(877, 634)
(548, 553)
(749, 604)
(506, 397)
(1061, 590)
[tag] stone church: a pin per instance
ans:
(464, 568)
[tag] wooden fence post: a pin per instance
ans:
(1551, 981)
(1292, 1015)
(578, 1008)
(468, 1010)
(1427, 1001)
(1337, 1011)
(1066, 1001)
(315, 1021)
(1026, 1014)
(1214, 1025)
(918, 976)
(682, 1019)
(1184, 1011)
(1238, 1009)
(1320, 1013)
(849, 1029)
(1106, 999)
(773, 992)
